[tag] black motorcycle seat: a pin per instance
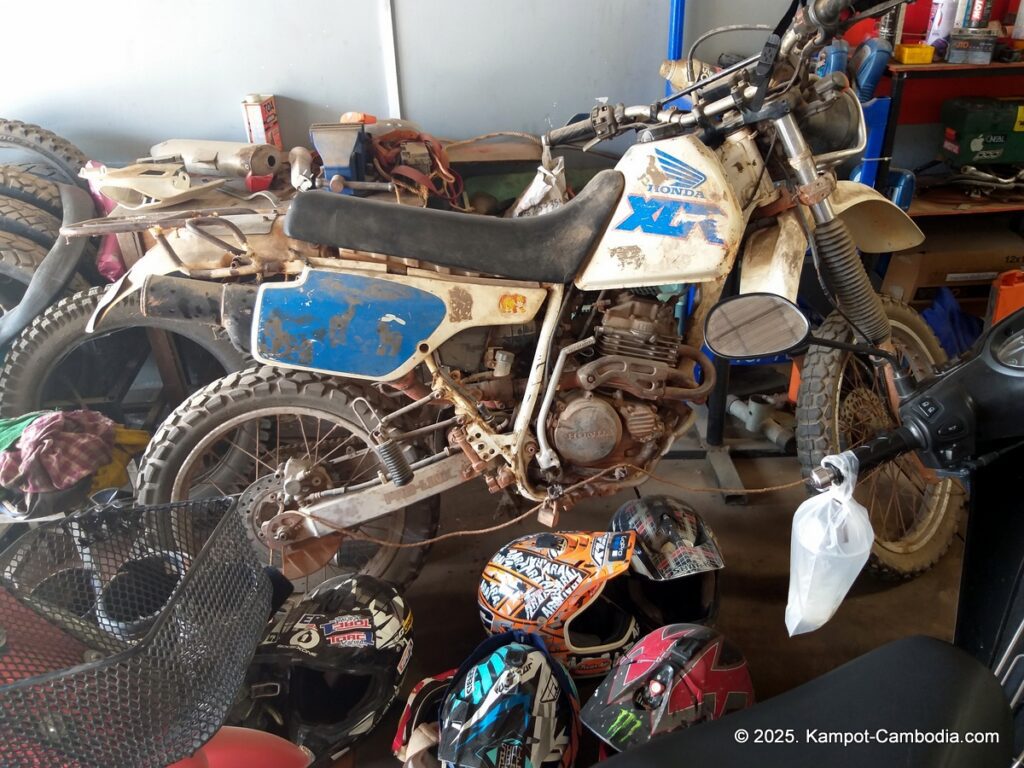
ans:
(548, 248)
(915, 685)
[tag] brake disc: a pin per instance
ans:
(264, 500)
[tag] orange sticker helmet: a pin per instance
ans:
(555, 584)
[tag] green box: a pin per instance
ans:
(979, 131)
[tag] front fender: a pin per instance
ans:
(773, 257)
(876, 224)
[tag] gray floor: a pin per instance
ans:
(755, 542)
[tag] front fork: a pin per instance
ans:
(840, 263)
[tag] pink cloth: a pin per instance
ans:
(56, 451)
(109, 260)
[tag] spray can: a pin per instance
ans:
(963, 13)
(981, 12)
(940, 24)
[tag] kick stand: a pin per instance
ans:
(716, 452)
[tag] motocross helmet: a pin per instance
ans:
(415, 742)
(510, 705)
(561, 586)
(675, 677)
(676, 561)
(327, 672)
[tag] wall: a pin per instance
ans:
(118, 76)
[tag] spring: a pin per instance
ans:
(395, 464)
(845, 276)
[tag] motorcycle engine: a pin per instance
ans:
(611, 424)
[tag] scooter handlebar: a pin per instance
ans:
(869, 455)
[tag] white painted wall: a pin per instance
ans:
(119, 75)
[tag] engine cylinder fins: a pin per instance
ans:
(396, 465)
(845, 275)
(662, 349)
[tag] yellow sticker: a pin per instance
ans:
(512, 303)
(1019, 125)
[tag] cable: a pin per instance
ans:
(764, 167)
(718, 31)
(359, 536)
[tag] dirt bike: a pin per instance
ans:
(543, 354)
(916, 701)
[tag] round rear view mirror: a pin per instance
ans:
(755, 325)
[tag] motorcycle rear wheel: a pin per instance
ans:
(843, 402)
(204, 447)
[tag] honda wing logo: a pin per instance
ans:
(681, 175)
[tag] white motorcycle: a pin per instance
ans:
(542, 354)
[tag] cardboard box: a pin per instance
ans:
(964, 256)
(261, 126)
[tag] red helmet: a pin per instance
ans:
(674, 677)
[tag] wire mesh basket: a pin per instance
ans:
(125, 634)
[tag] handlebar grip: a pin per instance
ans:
(876, 451)
(581, 129)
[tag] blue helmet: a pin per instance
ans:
(510, 705)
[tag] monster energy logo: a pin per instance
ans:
(625, 725)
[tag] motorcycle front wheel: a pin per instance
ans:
(234, 435)
(842, 402)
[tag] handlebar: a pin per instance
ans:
(581, 129)
(876, 451)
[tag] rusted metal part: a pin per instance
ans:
(411, 386)
(783, 202)
(638, 377)
(648, 380)
(458, 438)
(496, 392)
(817, 190)
(683, 373)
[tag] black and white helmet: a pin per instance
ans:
(326, 674)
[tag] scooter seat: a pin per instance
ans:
(913, 686)
(548, 248)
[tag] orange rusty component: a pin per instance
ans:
(458, 437)
(411, 385)
(305, 557)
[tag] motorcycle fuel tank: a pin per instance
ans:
(678, 220)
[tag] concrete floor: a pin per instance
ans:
(755, 542)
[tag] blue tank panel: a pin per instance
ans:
(343, 323)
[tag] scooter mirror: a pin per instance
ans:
(755, 325)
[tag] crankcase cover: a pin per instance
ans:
(587, 430)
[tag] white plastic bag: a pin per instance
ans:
(831, 541)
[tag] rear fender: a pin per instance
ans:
(156, 261)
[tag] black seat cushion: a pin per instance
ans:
(916, 684)
(548, 248)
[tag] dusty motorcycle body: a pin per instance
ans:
(483, 300)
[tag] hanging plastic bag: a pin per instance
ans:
(831, 540)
